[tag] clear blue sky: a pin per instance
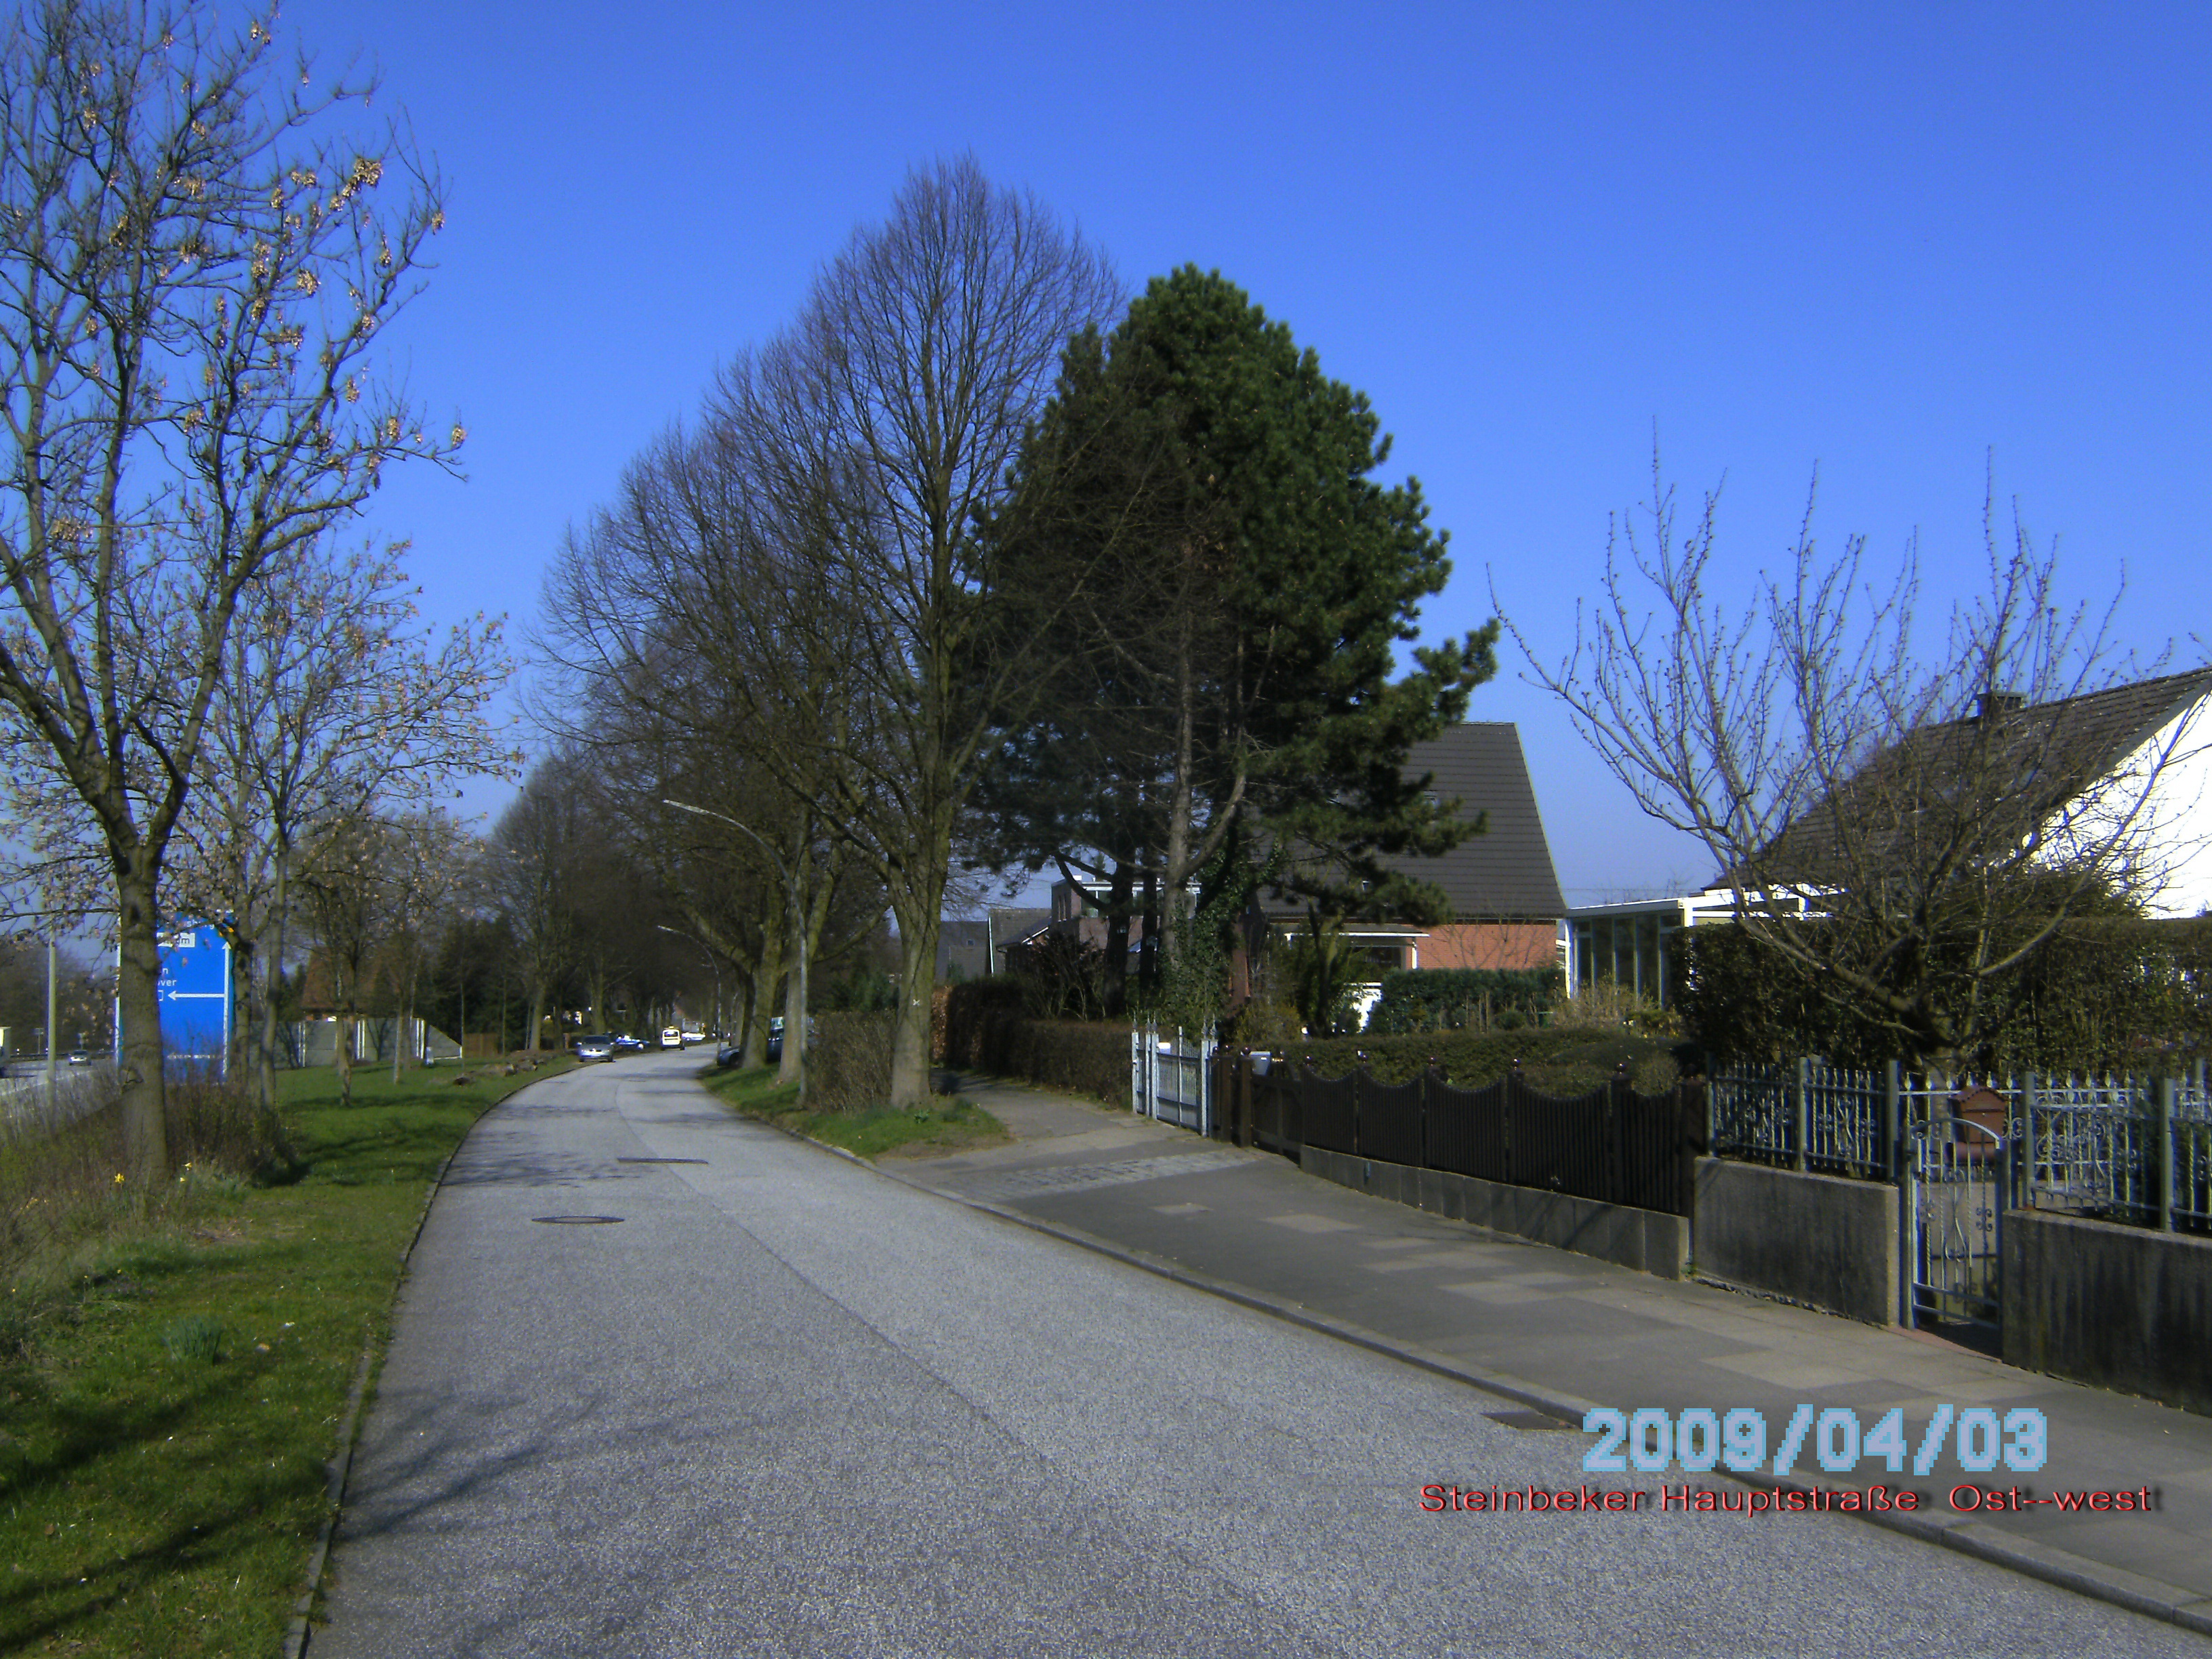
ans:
(1886, 239)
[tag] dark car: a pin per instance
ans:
(776, 1037)
(730, 1055)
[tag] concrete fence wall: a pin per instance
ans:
(2119, 1307)
(1814, 1238)
(1646, 1240)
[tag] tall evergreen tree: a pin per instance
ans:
(1226, 703)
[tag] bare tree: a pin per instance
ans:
(335, 705)
(1899, 826)
(894, 413)
(344, 879)
(652, 620)
(429, 870)
(530, 859)
(192, 278)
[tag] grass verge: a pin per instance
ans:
(870, 1133)
(169, 1391)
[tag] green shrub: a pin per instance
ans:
(960, 1011)
(849, 1066)
(985, 1026)
(1556, 1062)
(1454, 999)
(2103, 993)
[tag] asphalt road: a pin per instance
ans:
(785, 1406)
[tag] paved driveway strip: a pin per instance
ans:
(788, 1407)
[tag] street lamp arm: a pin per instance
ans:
(782, 872)
(794, 1048)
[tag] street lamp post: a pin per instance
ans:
(794, 1066)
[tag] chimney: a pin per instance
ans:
(1990, 704)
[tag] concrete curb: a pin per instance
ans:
(300, 1630)
(1961, 1532)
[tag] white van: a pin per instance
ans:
(672, 1036)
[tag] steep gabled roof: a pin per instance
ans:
(1505, 873)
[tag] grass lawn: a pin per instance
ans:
(170, 1395)
(871, 1133)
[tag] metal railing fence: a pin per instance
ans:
(2133, 1149)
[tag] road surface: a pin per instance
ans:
(785, 1406)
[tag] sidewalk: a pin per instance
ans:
(1563, 1333)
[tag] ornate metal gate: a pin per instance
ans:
(1958, 1156)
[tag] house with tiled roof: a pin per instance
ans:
(1501, 885)
(1503, 891)
(2126, 768)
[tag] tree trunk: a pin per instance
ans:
(1148, 956)
(348, 1021)
(1179, 809)
(791, 1064)
(910, 1030)
(137, 996)
(1116, 988)
(748, 1022)
(770, 976)
(272, 967)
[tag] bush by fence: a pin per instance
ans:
(1560, 1062)
(2105, 993)
(1456, 998)
(984, 1025)
(849, 1066)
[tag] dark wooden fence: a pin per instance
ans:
(1612, 1145)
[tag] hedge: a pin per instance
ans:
(1554, 1060)
(1451, 998)
(984, 1025)
(2104, 992)
(849, 1066)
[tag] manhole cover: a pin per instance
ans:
(1535, 1421)
(575, 1220)
(660, 1160)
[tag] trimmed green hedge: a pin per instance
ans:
(1555, 1061)
(1451, 998)
(985, 1026)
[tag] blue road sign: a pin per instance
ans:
(195, 994)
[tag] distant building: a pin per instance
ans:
(1501, 885)
(1012, 926)
(964, 951)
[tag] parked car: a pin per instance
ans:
(730, 1055)
(776, 1037)
(589, 1048)
(626, 1044)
